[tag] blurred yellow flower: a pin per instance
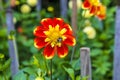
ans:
(39, 78)
(90, 31)
(32, 2)
(86, 14)
(50, 9)
(87, 23)
(14, 20)
(25, 8)
(1, 55)
(17, 2)
(79, 3)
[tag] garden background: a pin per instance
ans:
(94, 33)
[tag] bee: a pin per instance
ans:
(59, 40)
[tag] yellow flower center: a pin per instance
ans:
(95, 2)
(55, 35)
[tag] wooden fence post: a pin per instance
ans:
(74, 16)
(116, 75)
(74, 23)
(85, 63)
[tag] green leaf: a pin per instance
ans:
(78, 77)
(5, 65)
(97, 44)
(29, 70)
(20, 76)
(106, 2)
(32, 77)
(96, 52)
(70, 71)
(40, 61)
(76, 64)
(3, 32)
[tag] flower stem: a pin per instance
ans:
(51, 69)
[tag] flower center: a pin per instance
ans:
(95, 2)
(55, 35)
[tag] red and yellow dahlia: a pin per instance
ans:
(54, 35)
(101, 12)
(95, 7)
(91, 5)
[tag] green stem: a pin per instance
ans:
(51, 69)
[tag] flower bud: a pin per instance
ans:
(90, 31)
(25, 8)
(32, 2)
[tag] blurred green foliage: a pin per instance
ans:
(32, 62)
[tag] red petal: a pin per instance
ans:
(70, 40)
(69, 29)
(93, 10)
(86, 4)
(46, 22)
(58, 21)
(49, 52)
(49, 21)
(101, 16)
(39, 31)
(39, 42)
(101, 12)
(62, 51)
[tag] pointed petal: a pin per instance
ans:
(101, 12)
(49, 52)
(63, 31)
(93, 10)
(40, 42)
(101, 17)
(62, 51)
(68, 28)
(46, 22)
(58, 21)
(70, 40)
(39, 31)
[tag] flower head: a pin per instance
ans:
(17, 2)
(90, 31)
(54, 35)
(95, 7)
(32, 2)
(91, 5)
(39, 78)
(25, 8)
(86, 14)
(50, 8)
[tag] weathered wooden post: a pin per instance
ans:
(116, 75)
(74, 23)
(74, 16)
(11, 41)
(85, 63)
(63, 8)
